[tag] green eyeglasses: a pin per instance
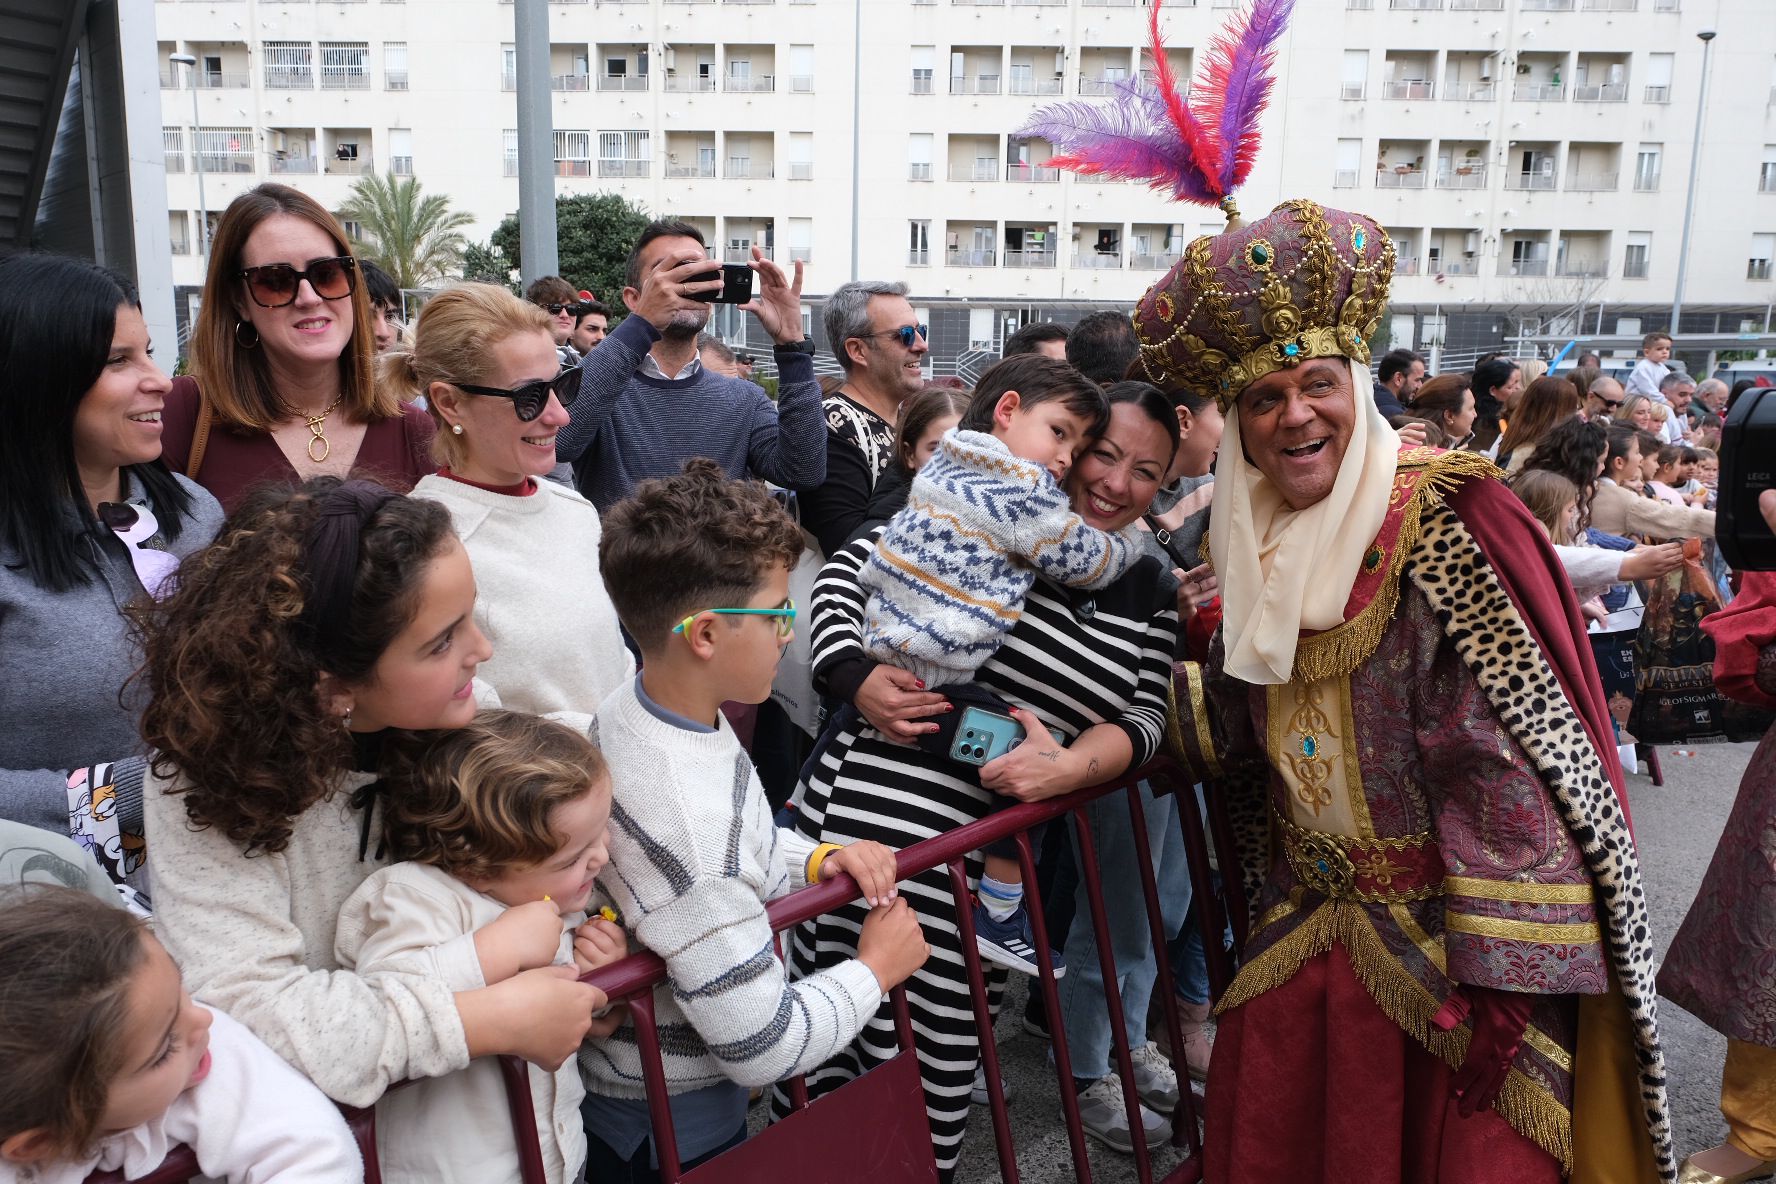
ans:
(785, 614)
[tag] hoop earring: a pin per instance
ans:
(346, 720)
(241, 341)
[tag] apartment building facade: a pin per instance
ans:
(1529, 157)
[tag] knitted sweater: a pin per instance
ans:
(694, 858)
(255, 935)
(539, 595)
(416, 919)
(252, 1120)
(628, 426)
(948, 579)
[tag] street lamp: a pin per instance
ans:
(203, 210)
(1683, 242)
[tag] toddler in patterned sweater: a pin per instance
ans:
(948, 578)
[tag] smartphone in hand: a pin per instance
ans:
(736, 286)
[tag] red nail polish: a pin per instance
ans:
(921, 683)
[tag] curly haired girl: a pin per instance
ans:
(110, 1064)
(321, 618)
(502, 827)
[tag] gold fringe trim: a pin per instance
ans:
(1342, 648)
(1529, 1108)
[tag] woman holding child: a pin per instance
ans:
(322, 617)
(1091, 664)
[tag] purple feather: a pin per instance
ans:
(1130, 137)
(1237, 86)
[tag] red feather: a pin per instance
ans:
(1204, 148)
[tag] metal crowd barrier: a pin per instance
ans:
(874, 1127)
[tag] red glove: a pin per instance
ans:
(1500, 1018)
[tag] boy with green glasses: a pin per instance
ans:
(698, 568)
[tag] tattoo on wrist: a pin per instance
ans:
(1050, 755)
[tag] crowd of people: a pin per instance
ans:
(384, 681)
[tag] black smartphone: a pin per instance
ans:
(736, 286)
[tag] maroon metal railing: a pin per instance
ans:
(880, 1117)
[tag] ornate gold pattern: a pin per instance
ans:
(1541, 932)
(1516, 893)
(1300, 313)
(1202, 757)
(1324, 863)
(1307, 759)
(1342, 648)
(1530, 1109)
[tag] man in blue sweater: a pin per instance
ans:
(646, 404)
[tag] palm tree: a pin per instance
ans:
(416, 239)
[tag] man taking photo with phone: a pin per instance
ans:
(647, 404)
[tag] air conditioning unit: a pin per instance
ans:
(1471, 243)
(1060, 61)
(1486, 70)
(671, 56)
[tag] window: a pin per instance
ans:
(1767, 170)
(1647, 163)
(1658, 83)
(508, 68)
(1347, 164)
(289, 65)
(1356, 74)
(172, 147)
(509, 138)
(400, 147)
(1634, 258)
(801, 156)
(178, 231)
(620, 154)
(345, 65)
(801, 68)
(224, 149)
(924, 62)
(919, 156)
(1763, 249)
(573, 154)
(394, 65)
(801, 240)
(980, 328)
(919, 242)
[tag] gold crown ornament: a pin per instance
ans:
(1302, 282)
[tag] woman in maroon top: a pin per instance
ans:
(281, 386)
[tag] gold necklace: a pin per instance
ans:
(319, 436)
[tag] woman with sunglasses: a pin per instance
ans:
(90, 520)
(486, 363)
(282, 385)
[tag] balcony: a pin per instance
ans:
(1098, 260)
(1400, 177)
(1477, 5)
(969, 256)
(1523, 267)
(1538, 92)
(1538, 180)
(1020, 85)
(1100, 86)
(1413, 89)
(1416, 5)
(749, 83)
(1160, 262)
(289, 78)
(1462, 176)
(980, 170)
(622, 168)
(173, 78)
(704, 169)
(606, 82)
(1547, 5)
(1609, 5)
(345, 78)
(745, 168)
(1609, 92)
(919, 171)
(280, 164)
(982, 84)
(1581, 268)
(1578, 182)
(355, 167)
(1469, 92)
(694, 83)
(1022, 258)
(1035, 173)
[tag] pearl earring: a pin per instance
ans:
(456, 428)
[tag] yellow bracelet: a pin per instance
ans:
(818, 858)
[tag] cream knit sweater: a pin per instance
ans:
(694, 858)
(254, 936)
(539, 595)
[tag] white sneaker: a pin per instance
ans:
(1105, 1118)
(1155, 1080)
(977, 1093)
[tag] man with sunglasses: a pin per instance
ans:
(1603, 398)
(647, 404)
(557, 297)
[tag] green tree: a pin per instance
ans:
(485, 263)
(416, 238)
(593, 234)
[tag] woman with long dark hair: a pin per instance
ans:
(90, 519)
(1448, 401)
(1498, 382)
(1547, 402)
(282, 385)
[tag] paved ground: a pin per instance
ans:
(1677, 825)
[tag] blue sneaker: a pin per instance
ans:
(1010, 943)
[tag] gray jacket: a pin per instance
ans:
(64, 659)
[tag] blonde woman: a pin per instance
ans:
(282, 387)
(487, 364)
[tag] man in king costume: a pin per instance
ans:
(1448, 973)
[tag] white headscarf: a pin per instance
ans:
(1285, 571)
